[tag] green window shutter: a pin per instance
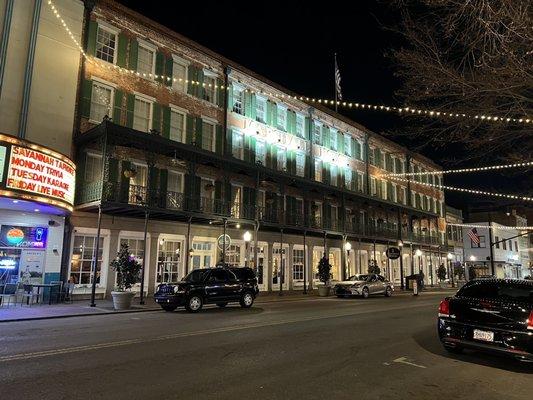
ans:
(169, 65)
(325, 176)
(91, 38)
(124, 187)
(200, 87)
(130, 105)
(340, 177)
(227, 192)
(340, 142)
(293, 122)
(325, 136)
(113, 170)
(166, 122)
(153, 184)
(219, 140)
(308, 165)
(218, 190)
(248, 104)
(307, 128)
(159, 65)
(252, 149)
(229, 140)
(253, 114)
(122, 50)
(117, 107)
(86, 93)
(268, 113)
(247, 150)
(134, 54)
(163, 182)
(156, 117)
(274, 120)
(274, 156)
(189, 129)
(198, 132)
(220, 92)
(191, 76)
(229, 91)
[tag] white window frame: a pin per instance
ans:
(333, 133)
(263, 159)
(176, 84)
(300, 170)
(317, 128)
(300, 117)
(107, 85)
(283, 151)
(95, 156)
(235, 132)
(110, 29)
(150, 47)
(183, 112)
(318, 171)
(213, 123)
(149, 100)
(211, 75)
(181, 174)
(373, 186)
(240, 89)
(347, 144)
(263, 101)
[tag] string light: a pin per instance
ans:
(464, 170)
(502, 227)
(310, 100)
(480, 192)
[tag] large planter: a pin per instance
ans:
(122, 300)
(323, 290)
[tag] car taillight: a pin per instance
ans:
(444, 308)
(530, 321)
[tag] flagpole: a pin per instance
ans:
(335, 81)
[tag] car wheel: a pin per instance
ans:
(365, 293)
(222, 305)
(247, 299)
(388, 291)
(194, 303)
(168, 308)
(453, 349)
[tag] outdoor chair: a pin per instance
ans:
(10, 291)
(66, 294)
(56, 290)
(28, 295)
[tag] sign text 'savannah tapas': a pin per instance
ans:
(39, 173)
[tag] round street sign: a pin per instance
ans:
(220, 242)
(393, 253)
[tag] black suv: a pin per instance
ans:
(209, 285)
(493, 315)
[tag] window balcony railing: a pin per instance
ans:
(139, 195)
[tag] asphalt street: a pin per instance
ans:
(379, 348)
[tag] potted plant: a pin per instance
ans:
(441, 274)
(324, 275)
(127, 269)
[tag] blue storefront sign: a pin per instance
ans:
(24, 237)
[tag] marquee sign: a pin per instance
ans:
(34, 172)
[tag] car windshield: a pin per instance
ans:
(196, 276)
(359, 277)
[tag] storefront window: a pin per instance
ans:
(233, 255)
(168, 261)
(83, 253)
(298, 264)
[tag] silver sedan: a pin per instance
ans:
(364, 285)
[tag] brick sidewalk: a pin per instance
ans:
(81, 308)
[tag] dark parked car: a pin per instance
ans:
(494, 315)
(209, 285)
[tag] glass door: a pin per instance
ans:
(280, 268)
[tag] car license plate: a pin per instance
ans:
(486, 336)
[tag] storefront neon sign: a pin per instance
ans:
(14, 236)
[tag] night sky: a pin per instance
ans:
(293, 44)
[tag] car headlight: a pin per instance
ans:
(177, 289)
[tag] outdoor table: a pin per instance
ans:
(44, 285)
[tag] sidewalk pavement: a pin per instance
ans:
(81, 308)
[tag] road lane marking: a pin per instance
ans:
(128, 342)
(403, 360)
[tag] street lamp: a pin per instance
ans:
(418, 253)
(247, 237)
(348, 247)
(449, 256)
(473, 258)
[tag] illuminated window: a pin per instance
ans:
(177, 125)
(282, 117)
(179, 75)
(300, 164)
(106, 43)
(168, 261)
(145, 59)
(142, 114)
(260, 152)
(83, 253)
(300, 125)
(237, 145)
(260, 109)
(298, 264)
(101, 101)
(209, 89)
(93, 168)
(208, 136)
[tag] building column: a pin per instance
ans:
(309, 266)
(152, 263)
(268, 266)
(111, 275)
(289, 265)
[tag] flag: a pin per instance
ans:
(338, 92)
(474, 237)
